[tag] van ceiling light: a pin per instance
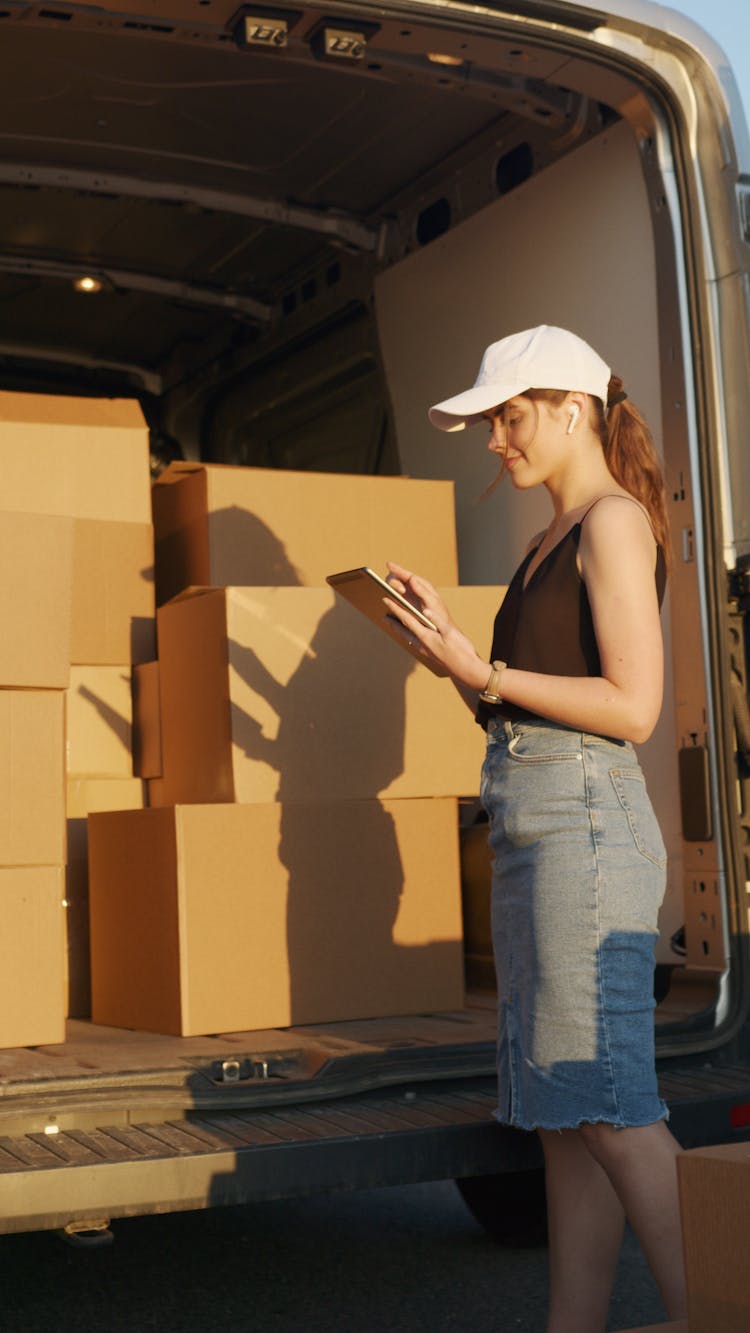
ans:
(88, 284)
(438, 58)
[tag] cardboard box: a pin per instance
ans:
(217, 525)
(32, 778)
(32, 995)
(220, 918)
(77, 961)
(99, 722)
(35, 600)
(291, 694)
(84, 457)
(85, 796)
(113, 593)
(715, 1205)
(82, 797)
(147, 757)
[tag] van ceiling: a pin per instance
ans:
(215, 189)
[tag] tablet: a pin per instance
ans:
(365, 589)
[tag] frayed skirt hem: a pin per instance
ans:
(578, 1124)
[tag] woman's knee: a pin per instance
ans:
(605, 1141)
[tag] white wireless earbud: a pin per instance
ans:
(574, 414)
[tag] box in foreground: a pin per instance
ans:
(219, 918)
(715, 1204)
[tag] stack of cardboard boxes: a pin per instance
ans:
(77, 599)
(299, 859)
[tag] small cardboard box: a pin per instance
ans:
(113, 593)
(84, 457)
(35, 600)
(32, 778)
(221, 918)
(99, 722)
(715, 1205)
(217, 525)
(32, 956)
(77, 968)
(147, 758)
(291, 694)
(83, 796)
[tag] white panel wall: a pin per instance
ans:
(571, 246)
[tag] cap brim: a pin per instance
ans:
(468, 408)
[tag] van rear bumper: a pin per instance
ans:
(204, 1158)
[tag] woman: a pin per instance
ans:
(575, 678)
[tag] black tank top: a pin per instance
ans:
(547, 626)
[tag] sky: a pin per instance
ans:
(728, 22)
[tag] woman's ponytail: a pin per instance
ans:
(632, 458)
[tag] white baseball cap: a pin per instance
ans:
(541, 358)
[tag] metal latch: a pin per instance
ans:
(239, 1071)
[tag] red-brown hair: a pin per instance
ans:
(629, 453)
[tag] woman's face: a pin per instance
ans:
(530, 438)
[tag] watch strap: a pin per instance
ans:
(491, 692)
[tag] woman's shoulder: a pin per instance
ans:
(616, 513)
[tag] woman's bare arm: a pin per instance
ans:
(617, 554)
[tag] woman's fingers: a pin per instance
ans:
(414, 587)
(410, 622)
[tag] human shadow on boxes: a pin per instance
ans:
(373, 911)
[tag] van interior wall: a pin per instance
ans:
(572, 246)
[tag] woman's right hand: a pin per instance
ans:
(446, 644)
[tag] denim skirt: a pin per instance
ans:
(579, 872)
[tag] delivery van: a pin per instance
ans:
(267, 238)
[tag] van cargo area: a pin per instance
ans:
(256, 244)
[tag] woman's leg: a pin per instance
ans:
(640, 1162)
(586, 1222)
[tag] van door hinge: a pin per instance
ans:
(743, 200)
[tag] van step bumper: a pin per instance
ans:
(200, 1160)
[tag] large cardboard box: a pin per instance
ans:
(113, 593)
(84, 795)
(147, 759)
(84, 457)
(256, 526)
(32, 995)
(32, 778)
(99, 722)
(291, 694)
(715, 1206)
(229, 917)
(35, 600)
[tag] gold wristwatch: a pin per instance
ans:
(491, 692)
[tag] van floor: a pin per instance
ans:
(92, 1051)
(691, 992)
(302, 1052)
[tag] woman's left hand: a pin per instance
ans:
(446, 644)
